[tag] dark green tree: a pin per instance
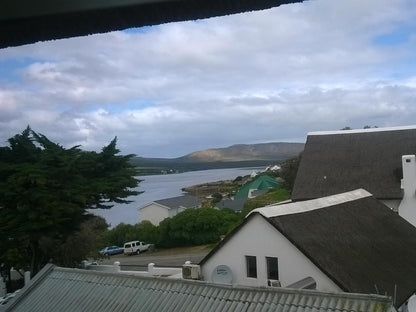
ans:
(196, 226)
(47, 190)
(120, 234)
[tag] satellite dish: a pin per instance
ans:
(222, 275)
(411, 304)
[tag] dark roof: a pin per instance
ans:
(23, 21)
(346, 160)
(187, 201)
(236, 204)
(358, 242)
(64, 290)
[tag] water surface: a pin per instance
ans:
(157, 187)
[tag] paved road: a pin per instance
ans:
(140, 262)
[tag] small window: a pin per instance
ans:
(408, 160)
(251, 266)
(272, 268)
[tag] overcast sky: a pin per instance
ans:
(265, 76)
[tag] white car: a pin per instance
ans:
(136, 247)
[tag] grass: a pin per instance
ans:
(271, 197)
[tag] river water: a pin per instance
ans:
(155, 187)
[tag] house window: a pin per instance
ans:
(251, 264)
(272, 268)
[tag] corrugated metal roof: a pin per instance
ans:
(62, 289)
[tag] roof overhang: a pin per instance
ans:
(24, 21)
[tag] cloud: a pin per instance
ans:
(169, 90)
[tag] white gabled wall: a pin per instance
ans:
(407, 208)
(259, 238)
(154, 213)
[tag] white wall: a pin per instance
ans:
(154, 213)
(259, 238)
(173, 212)
(407, 208)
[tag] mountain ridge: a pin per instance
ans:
(234, 156)
(245, 152)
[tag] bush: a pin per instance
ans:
(196, 227)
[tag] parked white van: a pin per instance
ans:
(136, 247)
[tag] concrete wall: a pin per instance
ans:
(154, 213)
(258, 238)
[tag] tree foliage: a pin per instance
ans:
(46, 191)
(196, 227)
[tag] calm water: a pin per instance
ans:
(157, 187)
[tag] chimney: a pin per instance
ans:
(409, 175)
(407, 208)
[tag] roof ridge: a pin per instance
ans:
(313, 204)
(410, 127)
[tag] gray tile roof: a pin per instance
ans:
(187, 201)
(357, 241)
(62, 290)
(342, 161)
(236, 204)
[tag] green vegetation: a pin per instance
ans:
(144, 231)
(45, 191)
(188, 228)
(271, 197)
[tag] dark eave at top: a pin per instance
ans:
(25, 21)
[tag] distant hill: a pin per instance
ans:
(240, 155)
(245, 152)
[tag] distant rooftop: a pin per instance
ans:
(362, 130)
(187, 201)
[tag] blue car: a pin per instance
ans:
(112, 250)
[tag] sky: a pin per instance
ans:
(264, 76)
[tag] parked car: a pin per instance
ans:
(136, 247)
(112, 250)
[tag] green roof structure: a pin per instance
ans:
(263, 182)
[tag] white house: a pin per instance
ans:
(379, 160)
(161, 209)
(346, 242)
